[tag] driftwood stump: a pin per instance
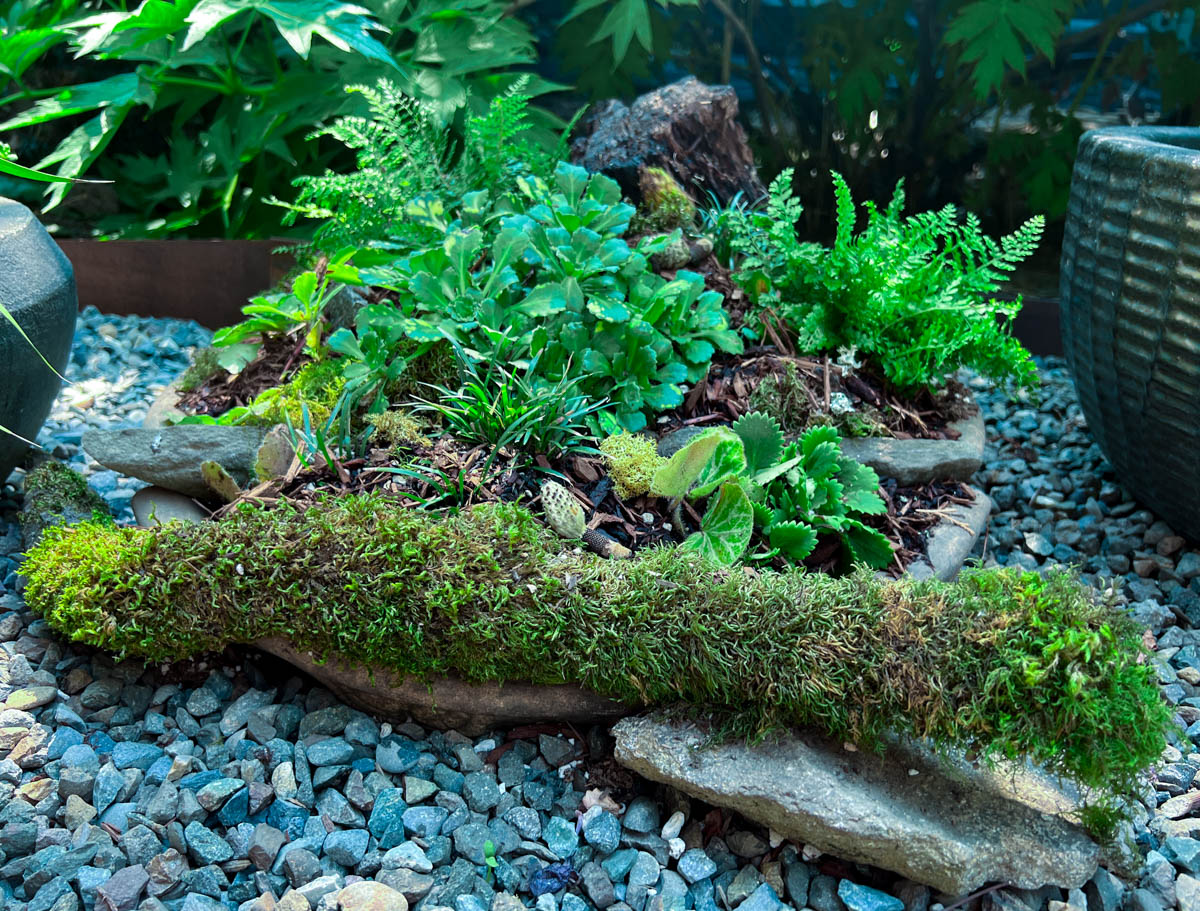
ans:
(687, 128)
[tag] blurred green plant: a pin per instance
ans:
(980, 100)
(230, 92)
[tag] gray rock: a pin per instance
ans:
(951, 540)
(264, 846)
(603, 833)
(206, 846)
(822, 894)
(641, 815)
(122, 891)
(919, 461)
(864, 898)
(481, 791)
(170, 457)
(347, 846)
(695, 865)
(407, 856)
(560, 836)
(156, 506)
(868, 808)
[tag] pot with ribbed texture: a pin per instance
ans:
(1130, 307)
(37, 288)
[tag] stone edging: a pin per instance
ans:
(920, 461)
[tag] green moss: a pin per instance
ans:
(54, 495)
(398, 428)
(316, 385)
(1006, 662)
(665, 204)
(203, 368)
(631, 459)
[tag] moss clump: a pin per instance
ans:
(397, 428)
(316, 386)
(665, 204)
(1007, 662)
(632, 459)
(205, 365)
(56, 495)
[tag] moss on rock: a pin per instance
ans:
(56, 495)
(1008, 662)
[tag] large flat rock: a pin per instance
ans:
(170, 457)
(920, 461)
(949, 825)
(448, 702)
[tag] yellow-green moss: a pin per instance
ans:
(631, 459)
(665, 204)
(316, 385)
(398, 428)
(1007, 662)
(54, 494)
(205, 365)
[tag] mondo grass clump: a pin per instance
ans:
(1006, 663)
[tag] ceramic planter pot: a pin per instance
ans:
(1130, 308)
(37, 287)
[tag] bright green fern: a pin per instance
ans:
(410, 169)
(913, 295)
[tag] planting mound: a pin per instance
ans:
(1011, 663)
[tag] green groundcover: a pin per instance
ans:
(1006, 663)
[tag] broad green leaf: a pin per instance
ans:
(727, 461)
(82, 146)
(663, 397)
(609, 311)
(866, 545)
(234, 358)
(675, 479)
(726, 528)
(698, 351)
(762, 439)
(860, 486)
(544, 300)
(626, 20)
(346, 26)
(116, 91)
(795, 540)
(304, 287)
(571, 179)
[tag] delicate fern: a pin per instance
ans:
(912, 294)
(409, 165)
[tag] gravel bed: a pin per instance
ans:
(235, 784)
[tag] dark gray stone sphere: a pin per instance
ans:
(37, 287)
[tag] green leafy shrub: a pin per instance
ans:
(792, 494)
(230, 91)
(1010, 663)
(555, 278)
(910, 294)
(408, 164)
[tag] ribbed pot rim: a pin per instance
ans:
(1182, 143)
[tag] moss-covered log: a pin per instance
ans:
(1003, 661)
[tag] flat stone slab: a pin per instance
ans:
(919, 461)
(950, 825)
(170, 457)
(449, 702)
(950, 542)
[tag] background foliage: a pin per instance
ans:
(975, 101)
(205, 108)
